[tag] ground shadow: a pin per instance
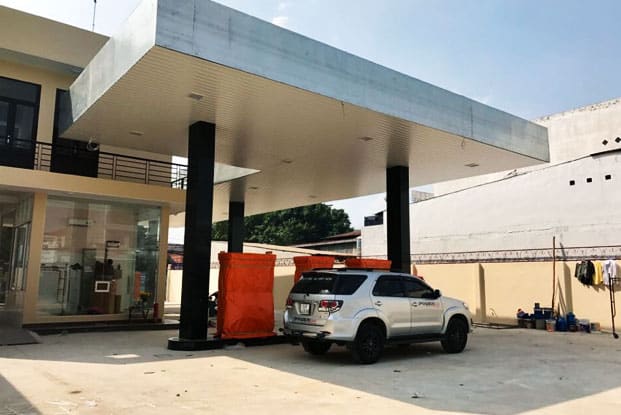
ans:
(13, 402)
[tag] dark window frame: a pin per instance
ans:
(336, 286)
(13, 102)
(422, 284)
(14, 151)
(382, 278)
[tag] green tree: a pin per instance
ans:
(291, 226)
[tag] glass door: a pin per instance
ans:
(6, 247)
(19, 106)
(19, 260)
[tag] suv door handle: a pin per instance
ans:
(378, 303)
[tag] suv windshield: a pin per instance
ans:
(326, 283)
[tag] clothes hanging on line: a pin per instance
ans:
(610, 271)
(584, 272)
(598, 276)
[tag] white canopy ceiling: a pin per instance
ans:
(317, 123)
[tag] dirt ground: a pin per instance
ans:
(513, 371)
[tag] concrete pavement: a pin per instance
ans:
(514, 371)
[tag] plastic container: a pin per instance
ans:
(596, 327)
(540, 324)
(551, 325)
(584, 325)
(561, 324)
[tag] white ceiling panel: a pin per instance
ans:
(307, 147)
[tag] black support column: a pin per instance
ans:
(236, 227)
(398, 217)
(197, 242)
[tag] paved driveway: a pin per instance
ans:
(501, 372)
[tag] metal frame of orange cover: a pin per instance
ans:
(245, 295)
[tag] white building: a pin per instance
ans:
(573, 198)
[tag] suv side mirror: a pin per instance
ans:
(437, 293)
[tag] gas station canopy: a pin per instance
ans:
(316, 123)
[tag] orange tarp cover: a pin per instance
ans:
(307, 263)
(368, 263)
(245, 295)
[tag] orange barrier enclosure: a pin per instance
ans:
(368, 263)
(245, 298)
(307, 263)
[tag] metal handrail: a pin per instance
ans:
(110, 165)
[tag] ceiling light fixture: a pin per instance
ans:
(195, 96)
(366, 139)
(253, 188)
(471, 165)
(136, 133)
(287, 161)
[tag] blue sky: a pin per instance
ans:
(527, 57)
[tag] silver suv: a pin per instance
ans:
(366, 309)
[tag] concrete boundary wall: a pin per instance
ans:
(283, 282)
(494, 291)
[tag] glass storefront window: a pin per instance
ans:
(15, 218)
(98, 257)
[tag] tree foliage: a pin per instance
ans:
(291, 226)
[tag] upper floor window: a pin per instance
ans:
(19, 107)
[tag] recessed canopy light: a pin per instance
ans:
(253, 188)
(287, 161)
(471, 165)
(195, 96)
(366, 139)
(137, 133)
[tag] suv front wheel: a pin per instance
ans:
(369, 344)
(456, 336)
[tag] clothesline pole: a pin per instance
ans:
(553, 270)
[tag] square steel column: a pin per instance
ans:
(398, 217)
(197, 241)
(236, 227)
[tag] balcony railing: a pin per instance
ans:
(109, 165)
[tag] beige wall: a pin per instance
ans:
(37, 230)
(283, 281)
(494, 291)
(49, 82)
(454, 280)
